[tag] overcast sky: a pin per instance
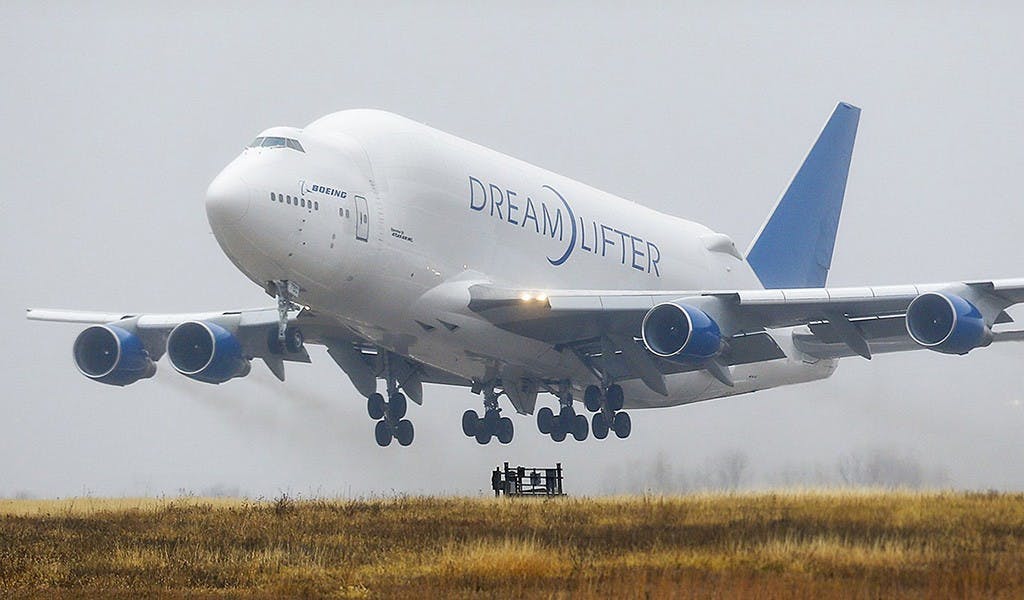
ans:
(117, 116)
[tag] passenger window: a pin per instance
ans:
(347, 214)
(303, 202)
(289, 199)
(316, 206)
(273, 197)
(341, 212)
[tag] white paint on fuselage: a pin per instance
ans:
(444, 213)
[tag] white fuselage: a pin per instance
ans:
(393, 220)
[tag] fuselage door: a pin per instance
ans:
(362, 219)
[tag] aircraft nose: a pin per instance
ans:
(227, 198)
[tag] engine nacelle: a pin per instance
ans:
(681, 333)
(206, 352)
(112, 355)
(947, 323)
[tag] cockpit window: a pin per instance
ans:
(276, 142)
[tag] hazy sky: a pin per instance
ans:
(117, 116)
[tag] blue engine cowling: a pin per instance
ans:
(681, 333)
(947, 323)
(112, 355)
(206, 352)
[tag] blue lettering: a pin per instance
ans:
(556, 225)
(583, 237)
(636, 252)
(473, 182)
(624, 235)
(509, 194)
(652, 262)
(531, 213)
(604, 238)
(501, 200)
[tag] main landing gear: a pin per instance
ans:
(390, 415)
(491, 425)
(606, 404)
(566, 422)
(607, 408)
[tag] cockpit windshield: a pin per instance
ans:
(276, 142)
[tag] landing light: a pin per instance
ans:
(528, 297)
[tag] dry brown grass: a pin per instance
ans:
(766, 545)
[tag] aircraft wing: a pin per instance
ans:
(253, 327)
(838, 321)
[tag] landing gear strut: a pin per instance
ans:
(607, 406)
(566, 422)
(491, 425)
(285, 338)
(389, 415)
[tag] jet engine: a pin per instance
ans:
(681, 333)
(112, 355)
(947, 323)
(206, 352)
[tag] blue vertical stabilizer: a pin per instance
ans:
(794, 247)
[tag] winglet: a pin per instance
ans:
(794, 247)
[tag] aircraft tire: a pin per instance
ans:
(470, 423)
(293, 340)
(483, 435)
(615, 398)
(375, 406)
(592, 398)
(622, 425)
(505, 430)
(558, 434)
(382, 432)
(397, 405)
(545, 420)
(579, 428)
(404, 432)
(599, 426)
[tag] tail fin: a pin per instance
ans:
(794, 247)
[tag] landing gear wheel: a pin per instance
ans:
(599, 426)
(614, 398)
(558, 433)
(375, 406)
(383, 433)
(483, 434)
(470, 423)
(274, 344)
(505, 430)
(592, 398)
(397, 405)
(545, 420)
(404, 432)
(579, 428)
(622, 425)
(293, 340)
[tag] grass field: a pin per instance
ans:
(785, 545)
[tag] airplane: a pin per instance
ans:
(416, 257)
